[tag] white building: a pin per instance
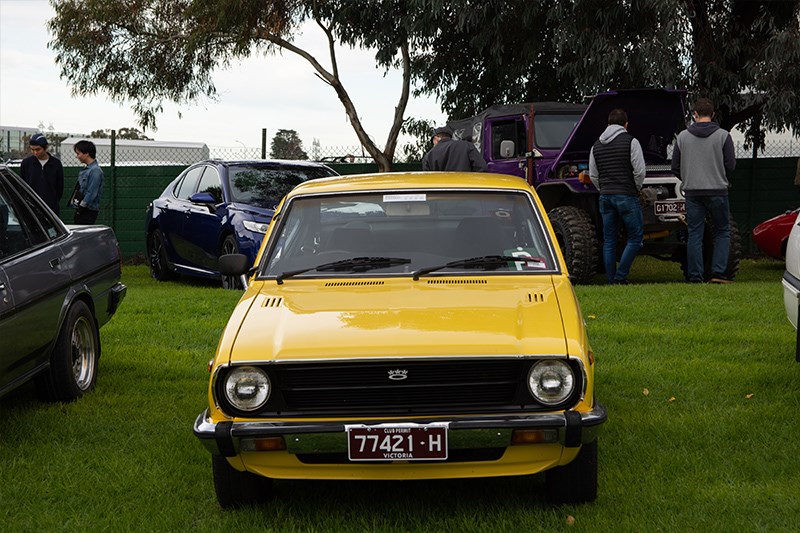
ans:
(143, 152)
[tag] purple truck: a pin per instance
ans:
(548, 144)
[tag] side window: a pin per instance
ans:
(211, 183)
(188, 184)
(19, 230)
(509, 130)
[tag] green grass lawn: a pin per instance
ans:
(700, 384)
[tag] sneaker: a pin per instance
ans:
(620, 282)
(720, 280)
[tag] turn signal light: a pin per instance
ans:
(534, 436)
(269, 444)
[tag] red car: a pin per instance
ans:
(771, 235)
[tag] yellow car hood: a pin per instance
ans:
(312, 319)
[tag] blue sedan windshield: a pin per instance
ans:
(264, 186)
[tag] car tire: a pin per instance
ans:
(577, 238)
(73, 363)
(575, 482)
(157, 257)
(734, 252)
(237, 489)
(229, 246)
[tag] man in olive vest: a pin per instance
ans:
(616, 167)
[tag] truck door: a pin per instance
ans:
(506, 146)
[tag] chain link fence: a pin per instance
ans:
(161, 153)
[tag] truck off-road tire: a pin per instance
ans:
(734, 252)
(237, 489)
(575, 482)
(157, 257)
(578, 241)
(73, 363)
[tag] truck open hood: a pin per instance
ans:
(655, 116)
(307, 321)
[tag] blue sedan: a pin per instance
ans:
(218, 207)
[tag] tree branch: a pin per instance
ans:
(399, 111)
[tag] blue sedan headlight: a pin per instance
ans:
(255, 227)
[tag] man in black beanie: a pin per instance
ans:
(43, 172)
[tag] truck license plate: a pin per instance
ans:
(669, 207)
(397, 442)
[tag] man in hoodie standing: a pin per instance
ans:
(616, 167)
(703, 154)
(43, 172)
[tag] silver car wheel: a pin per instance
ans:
(84, 353)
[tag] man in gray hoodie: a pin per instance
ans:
(703, 154)
(616, 167)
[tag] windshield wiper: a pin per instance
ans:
(486, 262)
(356, 264)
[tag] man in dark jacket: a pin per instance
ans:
(43, 172)
(617, 169)
(452, 155)
(703, 154)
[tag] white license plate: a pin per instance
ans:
(397, 442)
(670, 207)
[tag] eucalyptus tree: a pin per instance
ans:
(287, 145)
(741, 53)
(147, 52)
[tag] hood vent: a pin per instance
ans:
(456, 281)
(352, 283)
(273, 302)
(535, 297)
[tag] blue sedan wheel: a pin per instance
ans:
(157, 257)
(229, 247)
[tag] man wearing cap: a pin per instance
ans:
(452, 155)
(43, 172)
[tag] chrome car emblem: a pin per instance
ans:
(398, 375)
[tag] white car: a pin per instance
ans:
(791, 279)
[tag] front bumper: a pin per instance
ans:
(225, 438)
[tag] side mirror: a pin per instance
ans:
(507, 149)
(202, 198)
(233, 264)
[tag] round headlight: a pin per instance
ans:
(247, 388)
(551, 382)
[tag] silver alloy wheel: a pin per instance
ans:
(84, 353)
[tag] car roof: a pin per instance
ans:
(265, 162)
(409, 180)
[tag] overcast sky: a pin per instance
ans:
(275, 92)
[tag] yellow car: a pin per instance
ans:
(404, 326)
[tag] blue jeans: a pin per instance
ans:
(616, 208)
(716, 207)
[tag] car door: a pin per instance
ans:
(173, 218)
(34, 280)
(202, 223)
